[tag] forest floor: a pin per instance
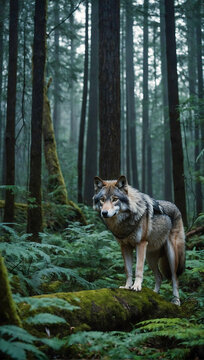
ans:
(81, 258)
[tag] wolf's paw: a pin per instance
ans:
(176, 301)
(137, 286)
(128, 287)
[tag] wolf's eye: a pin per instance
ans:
(114, 198)
(102, 200)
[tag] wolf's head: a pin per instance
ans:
(110, 196)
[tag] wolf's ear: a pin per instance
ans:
(122, 183)
(98, 183)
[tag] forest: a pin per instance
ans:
(97, 88)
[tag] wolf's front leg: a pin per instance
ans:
(141, 253)
(127, 252)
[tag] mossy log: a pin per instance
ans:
(105, 310)
(8, 312)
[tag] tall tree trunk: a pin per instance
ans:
(73, 125)
(167, 143)
(130, 94)
(2, 9)
(145, 103)
(173, 97)
(56, 108)
(11, 109)
(199, 192)
(56, 183)
(92, 128)
(34, 225)
(83, 111)
(109, 88)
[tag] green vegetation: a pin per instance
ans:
(88, 258)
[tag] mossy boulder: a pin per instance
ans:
(106, 310)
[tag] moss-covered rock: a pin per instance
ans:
(107, 309)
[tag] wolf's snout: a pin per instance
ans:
(105, 213)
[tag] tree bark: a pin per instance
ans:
(173, 97)
(73, 124)
(56, 183)
(130, 95)
(145, 103)
(2, 9)
(167, 143)
(109, 88)
(8, 312)
(34, 225)
(107, 309)
(56, 109)
(199, 192)
(11, 109)
(91, 161)
(83, 112)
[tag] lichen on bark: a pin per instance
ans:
(56, 183)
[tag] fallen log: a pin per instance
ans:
(104, 310)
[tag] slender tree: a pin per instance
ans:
(173, 98)
(56, 108)
(34, 225)
(2, 9)
(73, 122)
(146, 177)
(11, 109)
(130, 95)
(199, 194)
(109, 88)
(167, 143)
(83, 111)
(92, 126)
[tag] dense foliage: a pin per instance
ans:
(87, 257)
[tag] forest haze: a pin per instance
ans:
(97, 88)
(134, 133)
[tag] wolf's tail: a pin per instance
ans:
(177, 241)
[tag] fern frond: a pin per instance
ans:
(16, 332)
(40, 303)
(45, 318)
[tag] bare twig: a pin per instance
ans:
(66, 18)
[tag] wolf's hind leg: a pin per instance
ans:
(127, 252)
(153, 259)
(171, 258)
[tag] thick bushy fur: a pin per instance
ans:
(153, 227)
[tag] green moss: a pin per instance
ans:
(8, 312)
(108, 309)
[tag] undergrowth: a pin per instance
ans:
(88, 257)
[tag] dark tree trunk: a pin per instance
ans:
(34, 225)
(73, 123)
(83, 112)
(2, 8)
(167, 143)
(201, 107)
(56, 109)
(145, 104)
(173, 97)
(11, 109)
(109, 88)
(92, 129)
(130, 95)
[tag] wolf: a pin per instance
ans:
(153, 227)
